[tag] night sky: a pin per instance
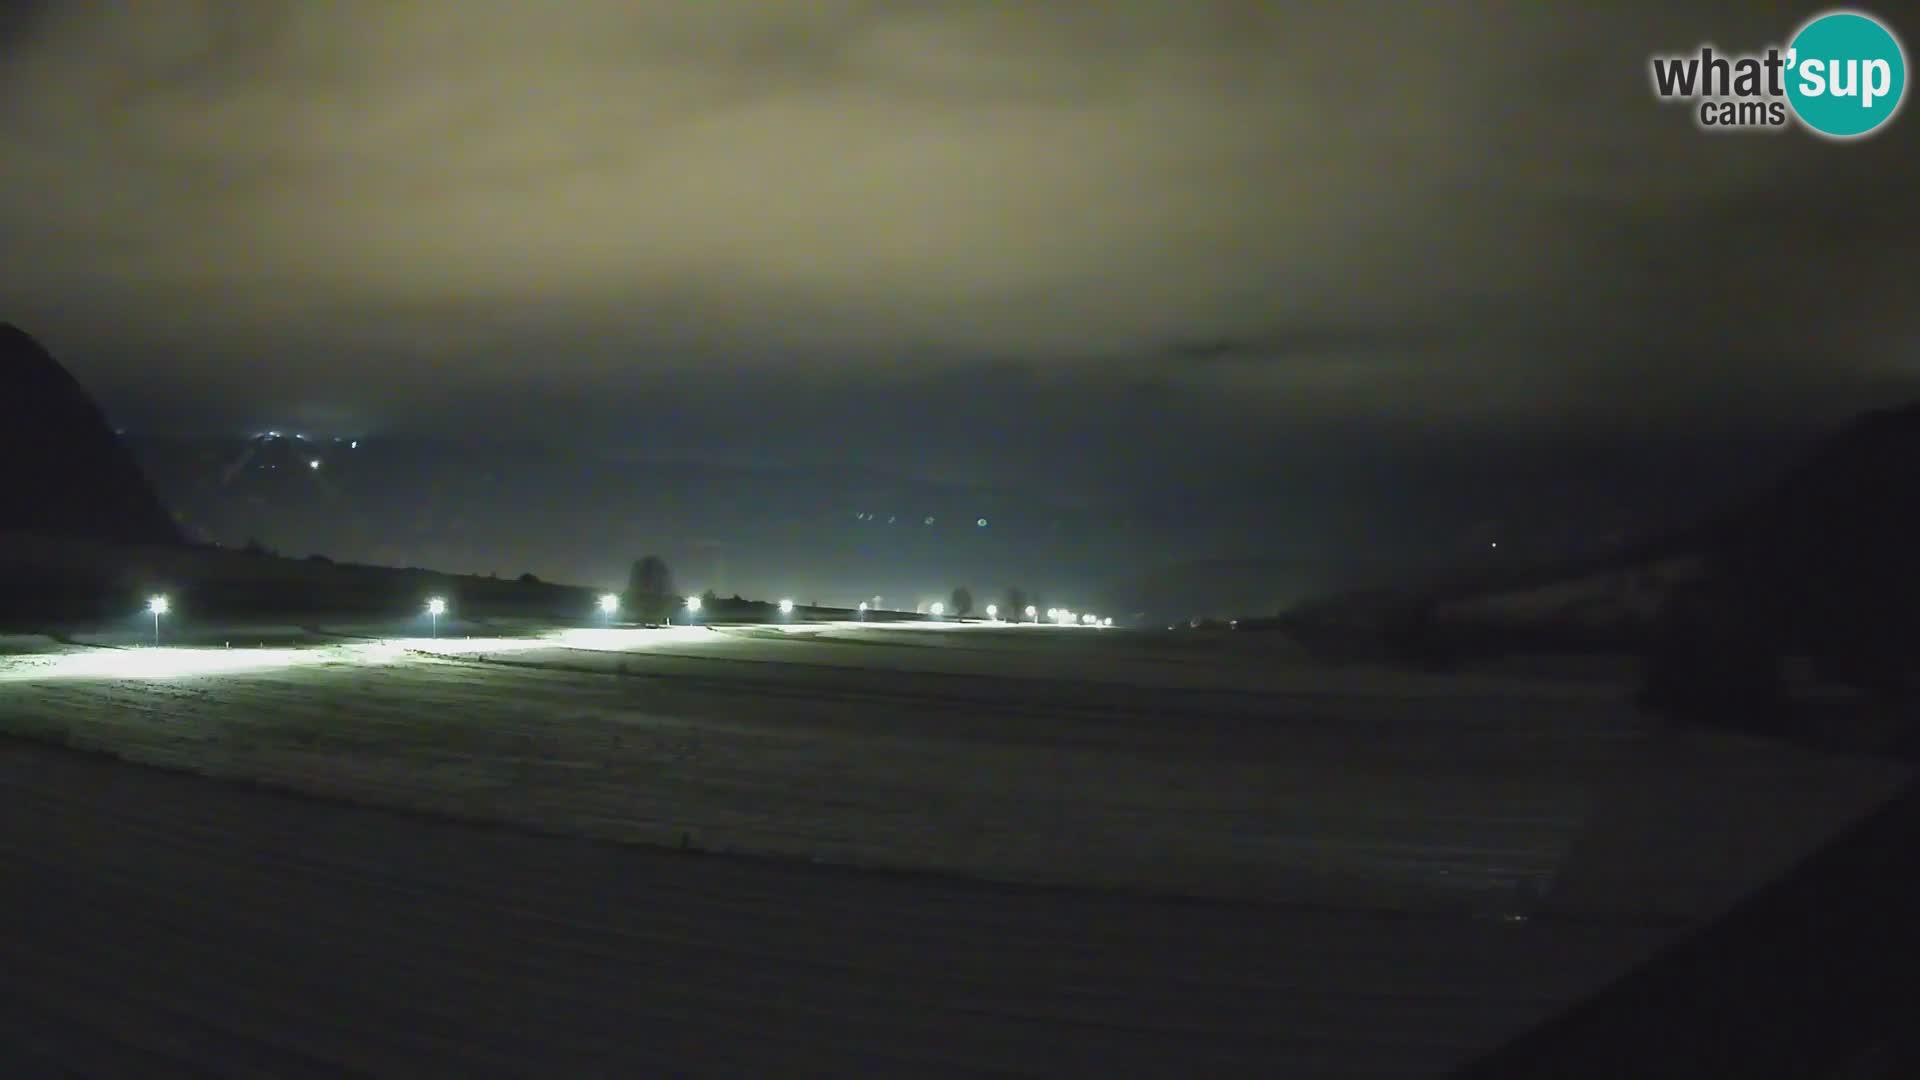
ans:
(1106, 248)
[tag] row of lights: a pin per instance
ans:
(158, 605)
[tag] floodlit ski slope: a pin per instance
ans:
(1159, 764)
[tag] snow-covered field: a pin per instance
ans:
(1353, 872)
(1161, 764)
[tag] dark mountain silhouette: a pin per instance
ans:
(68, 473)
(1826, 566)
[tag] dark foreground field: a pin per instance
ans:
(974, 850)
(158, 924)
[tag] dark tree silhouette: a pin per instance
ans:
(1016, 604)
(650, 590)
(961, 601)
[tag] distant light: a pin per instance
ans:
(938, 609)
(314, 464)
(993, 611)
(1496, 543)
(1031, 612)
(610, 603)
(1108, 621)
(1086, 620)
(436, 606)
(786, 606)
(158, 605)
(982, 522)
(273, 434)
(1052, 612)
(863, 607)
(354, 445)
(929, 520)
(693, 603)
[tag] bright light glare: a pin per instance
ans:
(1108, 621)
(609, 603)
(693, 603)
(436, 606)
(169, 662)
(1053, 613)
(314, 464)
(993, 611)
(863, 605)
(1031, 612)
(1087, 620)
(938, 608)
(158, 605)
(786, 606)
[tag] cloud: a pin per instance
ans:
(1391, 210)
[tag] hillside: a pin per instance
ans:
(1822, 550)
(53, 580)
(69, 474)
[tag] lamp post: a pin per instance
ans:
(158, 606)
(436, 607)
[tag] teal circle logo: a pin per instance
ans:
(1846, 74)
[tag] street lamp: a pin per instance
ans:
(693, 608)
(863, 611)
(436, 607)
(609, 603)
(158, 606)
(938, 609)
(786, 606)
(1033, 613)
(993, 612)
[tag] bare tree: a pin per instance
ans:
(961, 601)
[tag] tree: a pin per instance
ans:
(650, 590)
(1016, 604)
(962, 601)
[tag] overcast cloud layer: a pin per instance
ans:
(1209, 215)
